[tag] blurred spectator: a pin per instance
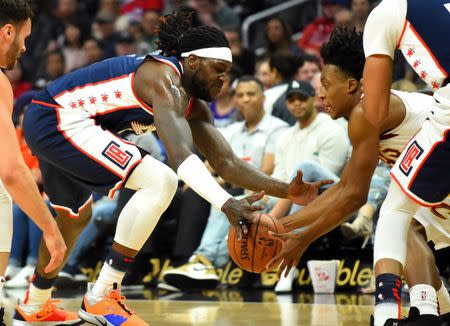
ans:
(283, 67)
(92, 51)
(111, 6)
(262, 72)
(223, 109)
(404, 85)
(278, 38)
(125, 44)
(71, 44)
(310, 67)
(15, 77)
(343, 17)
(150, 24)
(215, 13)
(319, 31)
(252, 140)
(135, 8)
(243, 59)
(104, 32)
(66, 13)
(361, 10)
(54, 68)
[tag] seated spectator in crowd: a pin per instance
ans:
(54, 68)
(361, 10)
(15, 77)
(343, 17)
(262, 72)
(310, 67)
(215, 13)
(278, 37)
(125, 44)
(254, 141)
(318, 32)
(243, 59)
(223, 108)
(149, 37)
(104, 32)
(314, 140)
(283, 66)
(66, 12)
(71, 43)
(92, 51)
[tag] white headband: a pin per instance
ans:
(222, 53)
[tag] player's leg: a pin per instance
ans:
(421, 178)
(155, 185)
(420, 270)
(37, 305)
(6, 231)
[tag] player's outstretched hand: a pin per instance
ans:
(240, 212)
(55, 245)
(294, 245)
(302, 193)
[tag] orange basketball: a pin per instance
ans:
(256, 248)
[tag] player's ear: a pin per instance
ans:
(8, 31)
(193, 61)
(352, 85)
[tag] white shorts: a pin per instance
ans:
(423, 169)
(436, 221)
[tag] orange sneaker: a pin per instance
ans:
(108, 310)
(49, 315)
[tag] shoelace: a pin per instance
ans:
(114, 295)
(49, 307)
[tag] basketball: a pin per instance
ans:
(256, 248)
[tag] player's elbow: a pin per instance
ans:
(11, 173)
(225, 167)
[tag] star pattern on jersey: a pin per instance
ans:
(81, 103)
(410, 52)
(423, 74)
(435, 84)
(73, 105)
(92, 100)
(118, 94)
(416, 64)
(104, 97)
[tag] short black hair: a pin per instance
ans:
(247, 79)
(285, 63)
(14, 11)
(176, 34)
(345, 51)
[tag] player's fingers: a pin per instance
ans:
(281, 268)
(274, 262)
(255, 208)
(277, 236)
(299, 176)
(52, 265)
(325, 182)
(255, 197)
(288, 267)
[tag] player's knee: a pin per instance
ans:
(169, 183)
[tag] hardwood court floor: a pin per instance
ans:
(275, 310)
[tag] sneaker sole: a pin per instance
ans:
(93, 319)
(167, 287)
(183, 282)
(42, 323)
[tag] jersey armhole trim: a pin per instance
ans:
(403, 33)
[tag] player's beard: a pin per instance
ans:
(199, 89)
(12, 54)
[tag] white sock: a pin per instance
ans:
(35, 299)
(384, 311)
(108, 276)
(444, 300)
(423, 296)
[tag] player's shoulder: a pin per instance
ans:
(6, 95)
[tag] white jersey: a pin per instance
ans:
(392, 142)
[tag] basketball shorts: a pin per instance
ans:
(436, 221)
(76, 156)
(423, 169)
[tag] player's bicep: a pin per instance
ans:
(11, 155)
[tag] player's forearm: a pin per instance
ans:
(21, 186)
(248, 177)
(330, 208)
